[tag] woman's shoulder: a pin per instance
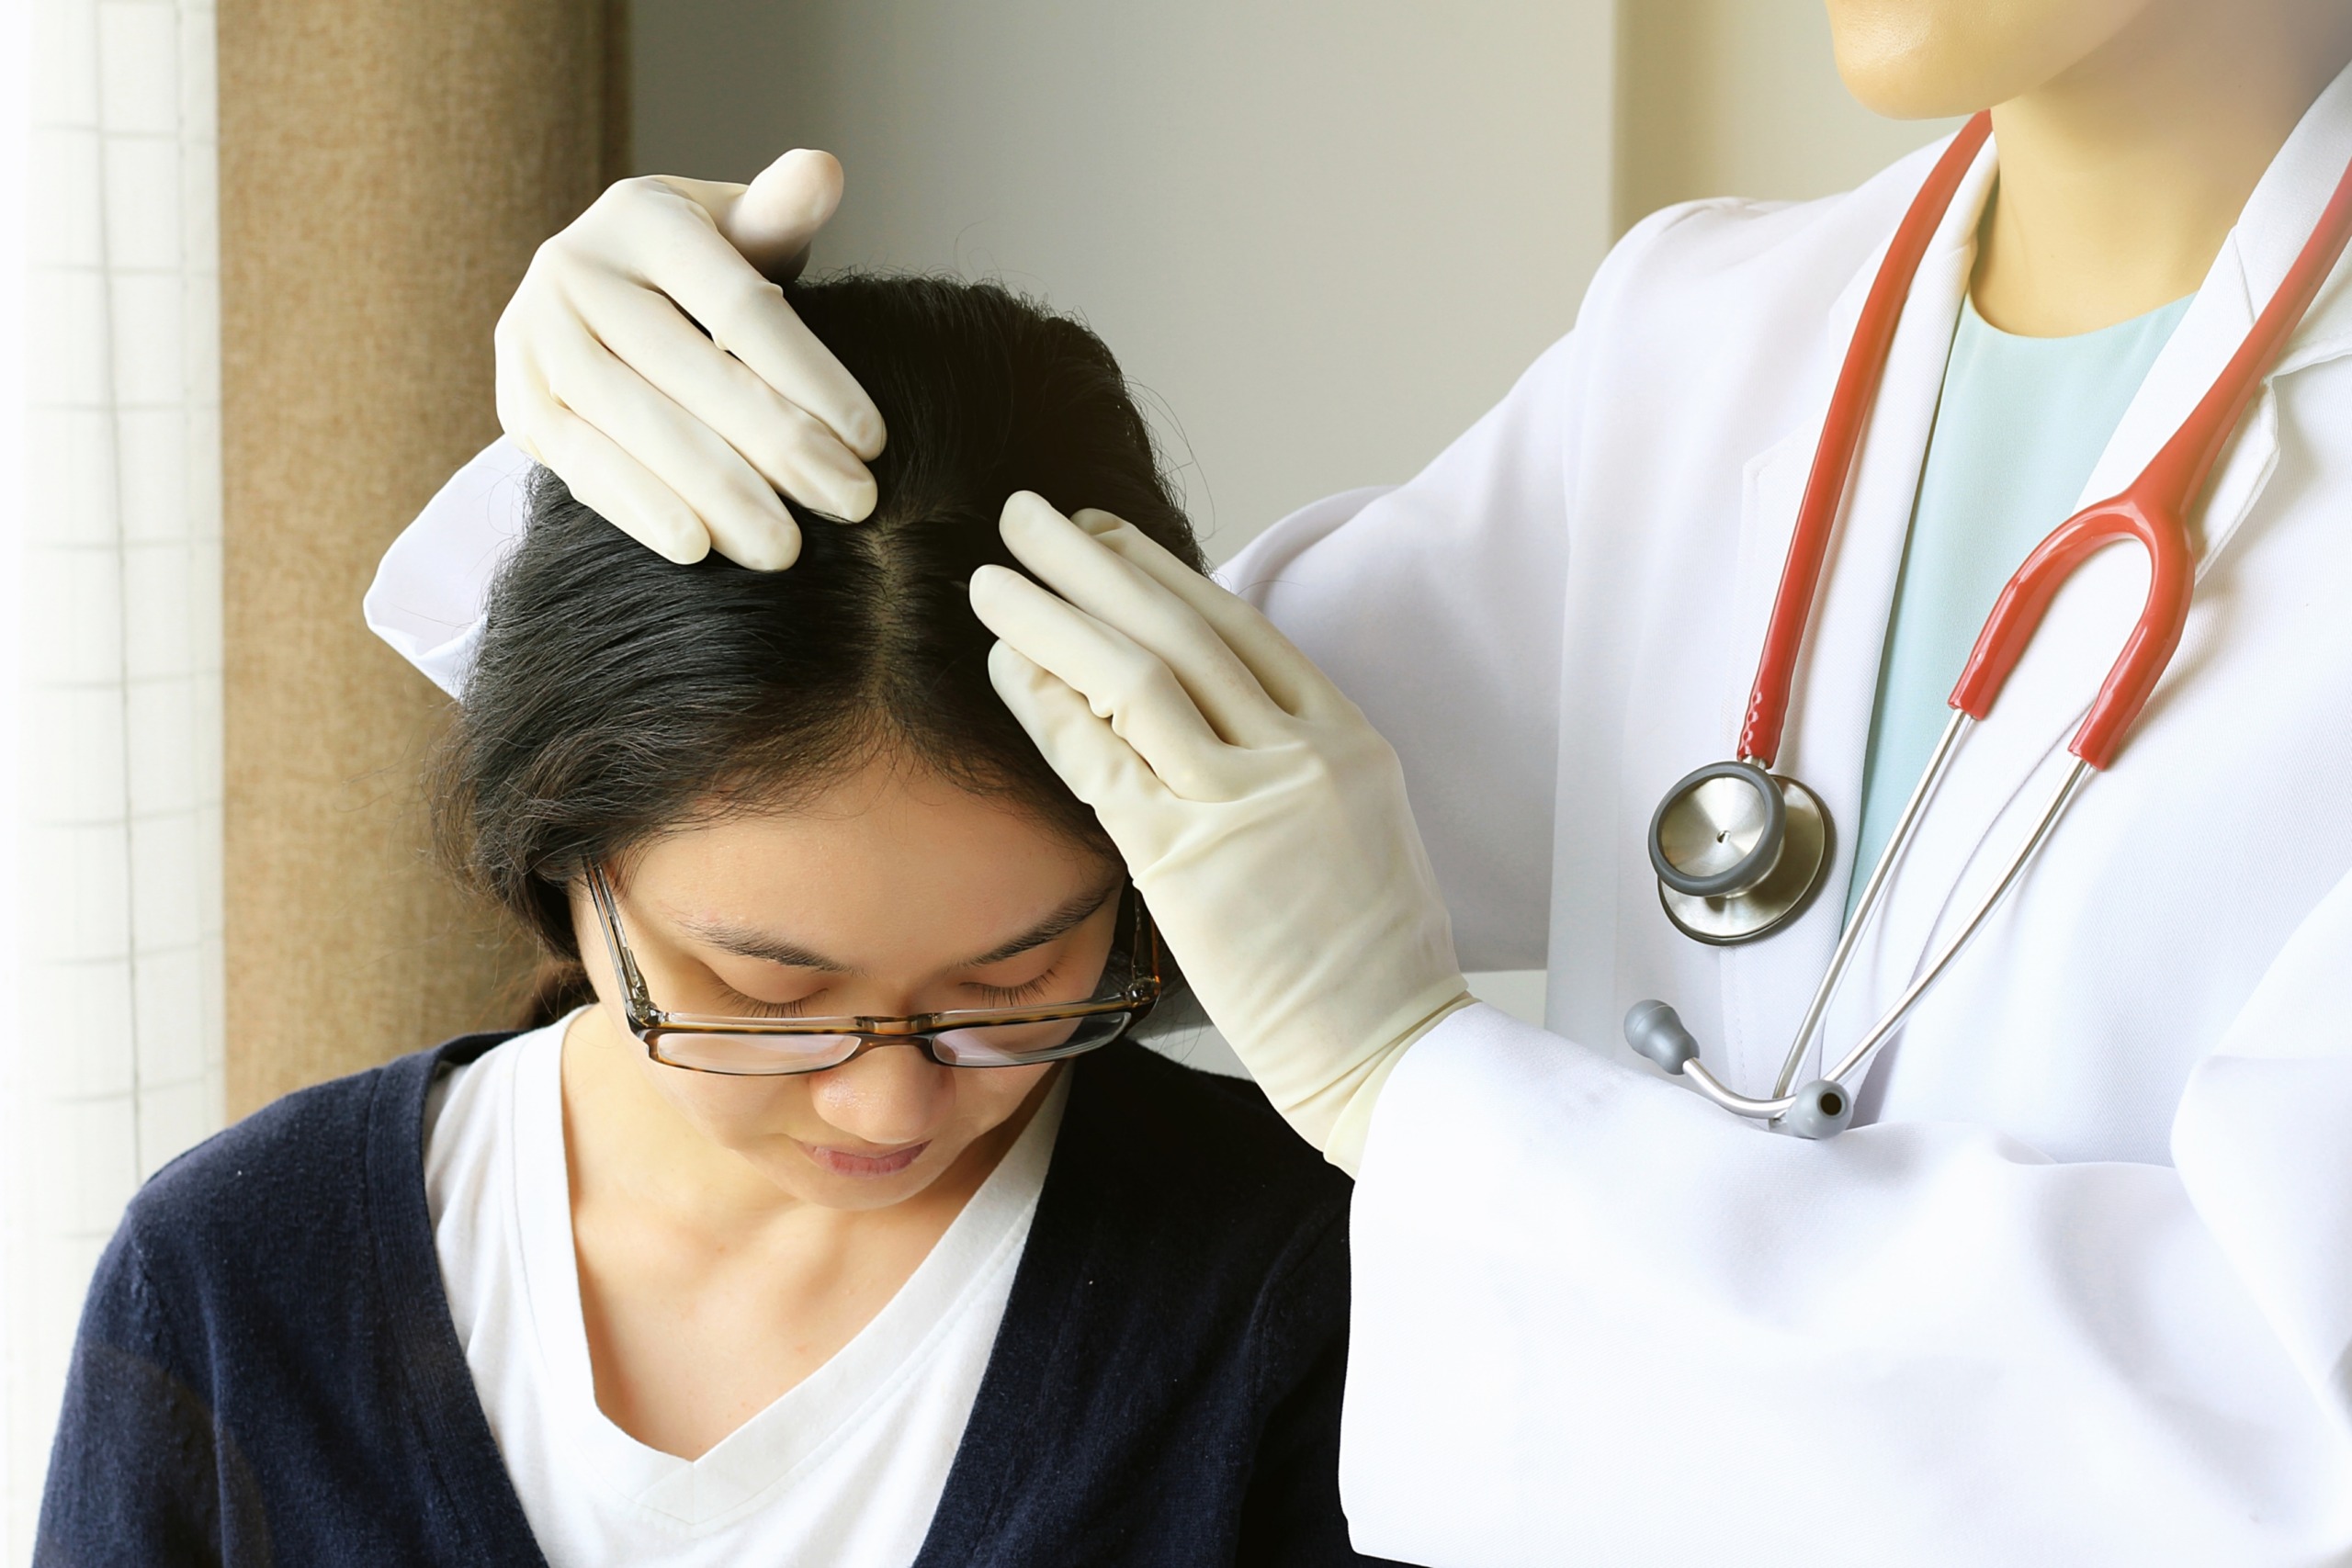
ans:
(295, 1176)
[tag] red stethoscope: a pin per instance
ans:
(1739, 849)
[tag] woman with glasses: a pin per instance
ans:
(830, 1216)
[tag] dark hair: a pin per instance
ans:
(614, 695)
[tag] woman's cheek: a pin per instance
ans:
(733, 1111)
(998, 1094)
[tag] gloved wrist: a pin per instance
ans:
(1262, 817)
(1347, 1103)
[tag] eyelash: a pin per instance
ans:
(995, 996)
(1017, 996)
(751, 1007)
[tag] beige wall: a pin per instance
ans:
(387, 167)
(1740, 98)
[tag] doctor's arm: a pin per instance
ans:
(1588, 1301)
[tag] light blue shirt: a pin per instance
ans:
(2021, 423)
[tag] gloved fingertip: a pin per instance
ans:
(787, 201)
(680, 546)
(1097, 521)
(1008, 666)
(864, 432)
(856, 499)
(772, 549)
(989, 586)
(1009, 657)
(1016, 682)
(1026, 511)
(758, 542)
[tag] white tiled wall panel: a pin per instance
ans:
(112, 1064)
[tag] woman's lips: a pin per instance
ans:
(841, 1162)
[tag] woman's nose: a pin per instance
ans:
(892, 1094)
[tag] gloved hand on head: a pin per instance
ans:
(606, 376)
(1263, 819)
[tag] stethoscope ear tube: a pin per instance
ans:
(1850, 402)
(1820, 1110)
(1726, 842)
(1825, 1107)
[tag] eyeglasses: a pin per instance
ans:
(988, 1037)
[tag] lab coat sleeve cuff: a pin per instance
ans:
(1344, 1149)
(431, 588)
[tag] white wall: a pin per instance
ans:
(1325, 233)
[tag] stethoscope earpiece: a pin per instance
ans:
(1740, 849)
(1823, 1110)
(1655, 1031)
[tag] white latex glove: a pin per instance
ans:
(685, 439)
(1263, 819)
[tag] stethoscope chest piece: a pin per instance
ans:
(1738, 851)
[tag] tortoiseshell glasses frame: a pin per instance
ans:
(983, 1037)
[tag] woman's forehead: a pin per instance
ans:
(887, 863)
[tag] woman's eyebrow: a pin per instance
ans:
(747, 943)
(772, 949)
(1061, 922)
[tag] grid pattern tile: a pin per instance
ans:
(116, 786)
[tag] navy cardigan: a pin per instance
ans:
(268, 1372)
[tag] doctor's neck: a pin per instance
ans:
(2131, 131)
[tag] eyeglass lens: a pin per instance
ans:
(986, 1045)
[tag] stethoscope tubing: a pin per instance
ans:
(2152, 511)
(1891, 1019)
(1851, 402)
(1881, 875)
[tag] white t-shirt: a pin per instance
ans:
(845, 1471)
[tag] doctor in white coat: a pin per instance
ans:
(2078, 1287)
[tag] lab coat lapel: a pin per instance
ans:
(1766, 984)
(2008, 767)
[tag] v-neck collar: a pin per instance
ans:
(777, 1445)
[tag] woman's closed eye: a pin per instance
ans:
(739, 1005)
(981, 994)
(1012, 995)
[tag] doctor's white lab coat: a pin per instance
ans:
(2080, 1292)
